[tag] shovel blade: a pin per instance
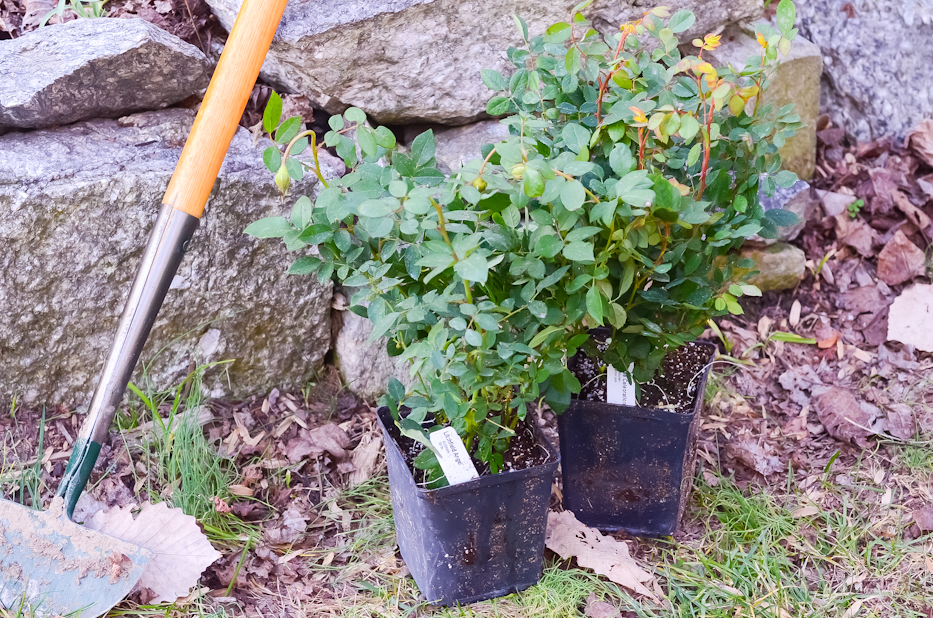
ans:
(51, 566)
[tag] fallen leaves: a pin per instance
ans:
(856, 234)
(599, 609)
(910, 317)
(845, 417)
(180, 551)
(900, 260)
(567, 537)
(328, 438)
(754, 454)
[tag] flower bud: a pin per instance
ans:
(518, 171)
(480, 184)
(282, 179)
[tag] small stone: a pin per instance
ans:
(781, 266)
(460, 145)
(92, 68)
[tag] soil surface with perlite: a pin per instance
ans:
(674, 386)
(525, 451)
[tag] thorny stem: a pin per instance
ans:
(485, 161)
(604, 84)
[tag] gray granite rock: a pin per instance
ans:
(795, 198)
(876, 62)
(459, 145)
(91, 68)
(365, 366)
(76, 205)
(405, 61)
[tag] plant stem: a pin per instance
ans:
(317, 164)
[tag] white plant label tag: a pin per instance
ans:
(453, 456)
(620, 389)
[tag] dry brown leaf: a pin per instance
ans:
(921, 141)
(923, 518)
(836, 203)
(567, 537)
(856, 233)
(753, 455)
(829, 341)
(845, 418)
(900, 260)
(910, 317)
(327, 438)
(914, 214)
(806, 511)
(180, 551)
(365, 458)
(901, 421)
(599, 609)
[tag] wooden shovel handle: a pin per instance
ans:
(223, 105)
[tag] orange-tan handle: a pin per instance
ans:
(223, 105)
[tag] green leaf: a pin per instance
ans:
(498, 106)
(543, 335)
(694, 155)
(548, 246)
(367, 141)
(785, 179)
(594, 304)
(301, 212)
(558, 33)
(493, 80)
(355, 114)
(272, 158)
(781, 217)
(689, 127)
(474, 268)
(579, 251)
(305, 265)
(273, 113)
(522, 26)
(376, 208)
(385, 137)
(575, 137)
(295, 171)
(335, 122)
(621, 160)
(786, 16)
(269, 227)
(288, 130)
(791, 338)
(533, 182)
(682, 20)
(572, 195)
(423, 148)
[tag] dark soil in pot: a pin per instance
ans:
(673, 388)
(476, 540)
(525, 451)
(631, 467)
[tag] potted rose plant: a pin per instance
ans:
(486, 281)
(680, 149)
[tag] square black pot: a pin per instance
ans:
(471, 541)
(628, 467)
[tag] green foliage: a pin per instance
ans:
(630, 175)
(87, 9)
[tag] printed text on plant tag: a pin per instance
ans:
(453, 457)
(619, 387)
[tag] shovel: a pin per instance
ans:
(50, 565)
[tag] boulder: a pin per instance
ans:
(76, 206)
(876, 62)
(796, 80)
(405, 61)
(781, 266)
(92, 68)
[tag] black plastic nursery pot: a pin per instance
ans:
(471, 541)
(629, 467)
